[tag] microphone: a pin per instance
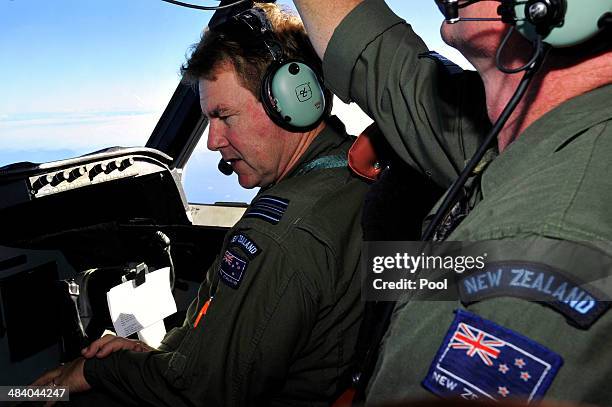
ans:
(225, 167)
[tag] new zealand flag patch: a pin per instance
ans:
(482, 360)
(232, 269)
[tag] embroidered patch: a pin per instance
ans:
(535, 282)
(480, 359)
(269, 208)
(242, 240)
(442, 62)
(232, 269)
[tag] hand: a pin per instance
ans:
(69, 375)
(108, 344)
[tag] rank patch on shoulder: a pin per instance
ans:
(479, 359)
(243, 241)
(269, 208)
(232, 269)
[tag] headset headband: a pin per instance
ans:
(252, 23)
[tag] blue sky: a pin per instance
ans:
(77, 76)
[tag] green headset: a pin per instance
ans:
(291, 91)
(561, 23)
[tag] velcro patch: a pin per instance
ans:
(536, 282)
(243, 241)
(482, 360)
(442, 62)
(232, 269)
(269, 208)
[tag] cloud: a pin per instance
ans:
(75, 131)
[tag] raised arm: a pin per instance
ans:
(433, 115)
(322, 17)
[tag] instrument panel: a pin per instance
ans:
(23, 182)
(92, 173)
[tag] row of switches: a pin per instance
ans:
(75, 173)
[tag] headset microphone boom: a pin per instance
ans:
(546, 23)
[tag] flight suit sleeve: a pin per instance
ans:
(433, 119)
(242, 348)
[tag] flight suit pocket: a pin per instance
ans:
(182, 364)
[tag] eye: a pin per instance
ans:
(226, 119)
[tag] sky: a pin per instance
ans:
(77, 76)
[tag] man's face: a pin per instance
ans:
(240, 130)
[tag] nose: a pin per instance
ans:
(216, 136)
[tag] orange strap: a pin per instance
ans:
(362, 156)
(346, 398)
(202, 312)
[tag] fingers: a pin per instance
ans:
(119, 343)
(143, 347)
(115, 345)
(73, 376)
(108, 344)
(70, 375)
(47, 378)
(90, 351)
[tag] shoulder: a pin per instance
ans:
(317, 200)
(560, 190)
(308, 227)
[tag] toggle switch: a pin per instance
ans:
(42, 181)
(97, 169)
(76, 173)
(60, 177)
(128, 162)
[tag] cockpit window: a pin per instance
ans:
(81, 76)
(77, 77)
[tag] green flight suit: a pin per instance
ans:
(551, 187)
(282, 326)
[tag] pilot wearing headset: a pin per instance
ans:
(535, 323)
(276, 319)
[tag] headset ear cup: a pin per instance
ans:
(293, 97)
(566, 23)
(267, 98)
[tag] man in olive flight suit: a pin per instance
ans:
(535, 331)
(276, 319)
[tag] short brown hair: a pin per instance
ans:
(248, 55)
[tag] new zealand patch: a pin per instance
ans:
(232, 269)
(580, 305)
(243, 241)
(479, 359)
(269, 208)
